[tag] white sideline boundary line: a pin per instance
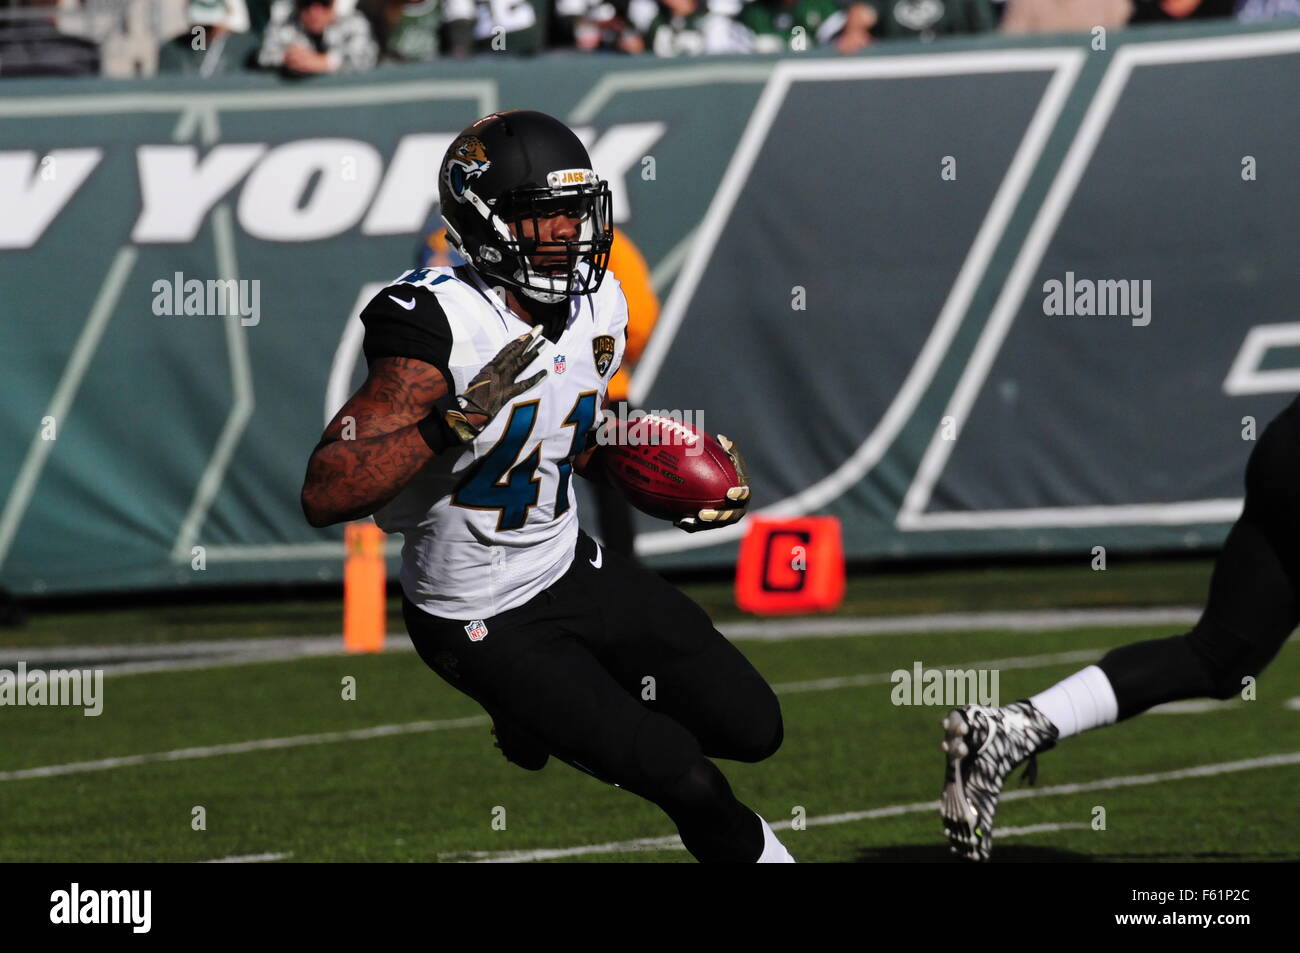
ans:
(1027, 621)
(137, 659)
(674, 842)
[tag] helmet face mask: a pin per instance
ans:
(508, 185)
(554, 267)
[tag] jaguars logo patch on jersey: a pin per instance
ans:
(602, 349)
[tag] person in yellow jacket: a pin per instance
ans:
(627, 265)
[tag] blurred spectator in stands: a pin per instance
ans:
(1065, 16)
(33, 46)
(799, 25)
(565, 16)
(407, 31)
(457, 34)
(516, 27)
(606, 26)
(306, 37)
(259, 16)
(693, 27)
(1166, 11)
(926, 19)
(1254, 11)
(217, 41)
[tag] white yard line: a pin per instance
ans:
(248, 859)
(1195, 706)
(896, 810)
(240, 747)
(879, 678)
(1006, 832)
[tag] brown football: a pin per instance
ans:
(668, 469)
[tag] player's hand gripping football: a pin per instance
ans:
(738, 495)
(495, 386)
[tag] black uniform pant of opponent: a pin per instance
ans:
(621, 675)
(1254, 602)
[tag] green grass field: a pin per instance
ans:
(861, 769)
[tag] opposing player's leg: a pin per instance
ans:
(548, 693)
(1253, 607)
(665, 650)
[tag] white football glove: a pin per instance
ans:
(739, 495)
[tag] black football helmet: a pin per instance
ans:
(504, 174)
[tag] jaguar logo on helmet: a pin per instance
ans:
(467, 159)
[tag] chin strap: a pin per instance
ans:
(545, 297)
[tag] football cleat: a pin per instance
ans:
(984, 745)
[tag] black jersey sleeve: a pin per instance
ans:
(420, 331)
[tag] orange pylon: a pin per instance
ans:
(364, 602)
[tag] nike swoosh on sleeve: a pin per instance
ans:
(408, 305)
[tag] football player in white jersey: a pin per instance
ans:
(485, 385)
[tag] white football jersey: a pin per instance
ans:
(489, 527)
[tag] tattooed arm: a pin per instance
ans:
(372, 448)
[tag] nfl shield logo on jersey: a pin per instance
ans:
(476, 630)
(559, 363)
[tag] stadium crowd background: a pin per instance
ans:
(307, 37)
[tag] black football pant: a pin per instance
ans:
(614, 514)
(1254, 602)
(621, 675)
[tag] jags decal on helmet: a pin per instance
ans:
(466, 159)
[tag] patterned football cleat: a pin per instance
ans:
(984, 745)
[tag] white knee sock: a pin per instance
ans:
(1083, 701)
(773, 851)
